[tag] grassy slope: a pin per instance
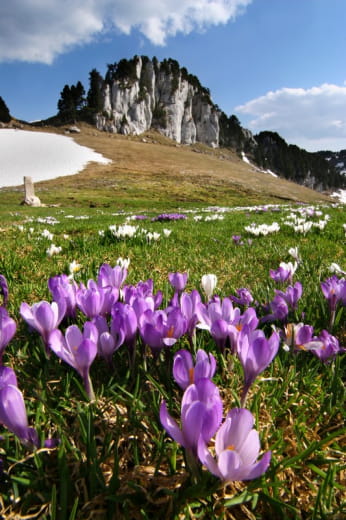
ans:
(152, 170)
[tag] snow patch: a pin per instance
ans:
(341, 195)
(42, 156)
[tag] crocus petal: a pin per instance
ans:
(7, 377)
(183, 368)
(57, 343)
(207, 459)
(12, 410)
(192, 423)
(256, 470)
(170, 425)
(229, 463)
(85, 355)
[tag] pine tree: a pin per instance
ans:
(71, 102)
(94, 96)
(5, 116)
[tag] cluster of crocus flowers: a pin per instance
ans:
(237, 444)
(299, 337)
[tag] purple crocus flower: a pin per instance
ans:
(107, 342)
(13, 413)
(237, 447)
(111, 276)
(300, 337)
(279, 310)
(188, 306)
(236, 239)
(224, 321)
(178, 281)
(186, 373)
(63, 287)
(244, 297)
(142, 290)
(292, 295)
(159, 329)
(255, 352)
(43, 316)
(334, 290)
(201, 415)
(4, 289)
(77, 349)
(125, 323)
(217, 310)
(329, 347)
(7, 330)
(94, 300)
(284, 273)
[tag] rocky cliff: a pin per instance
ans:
(141, 94)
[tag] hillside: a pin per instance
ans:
(151, 170)
(141, 94)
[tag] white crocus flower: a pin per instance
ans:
(209, 282)
(335, 268)
(166, 232)
(47, 234)
(293, 251)
(123, 262)
(53, 250)
(74, 267)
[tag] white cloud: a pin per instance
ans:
(40, 30)
(314, 119)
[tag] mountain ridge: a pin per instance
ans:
(140, 94)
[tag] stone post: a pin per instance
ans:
(29, 193)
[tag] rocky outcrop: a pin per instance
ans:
(149, 94)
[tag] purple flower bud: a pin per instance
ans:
(255, 352)
(178, 281)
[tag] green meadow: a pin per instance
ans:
(114, 459)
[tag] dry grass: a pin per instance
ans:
(153, 169)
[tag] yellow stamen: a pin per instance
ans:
(231, 447)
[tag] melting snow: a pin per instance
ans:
(341, 195)
(41, 155)
(245, 159)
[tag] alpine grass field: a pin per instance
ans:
(91, 421)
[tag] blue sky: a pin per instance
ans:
(278, 65)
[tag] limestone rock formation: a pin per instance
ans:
(148, 94)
